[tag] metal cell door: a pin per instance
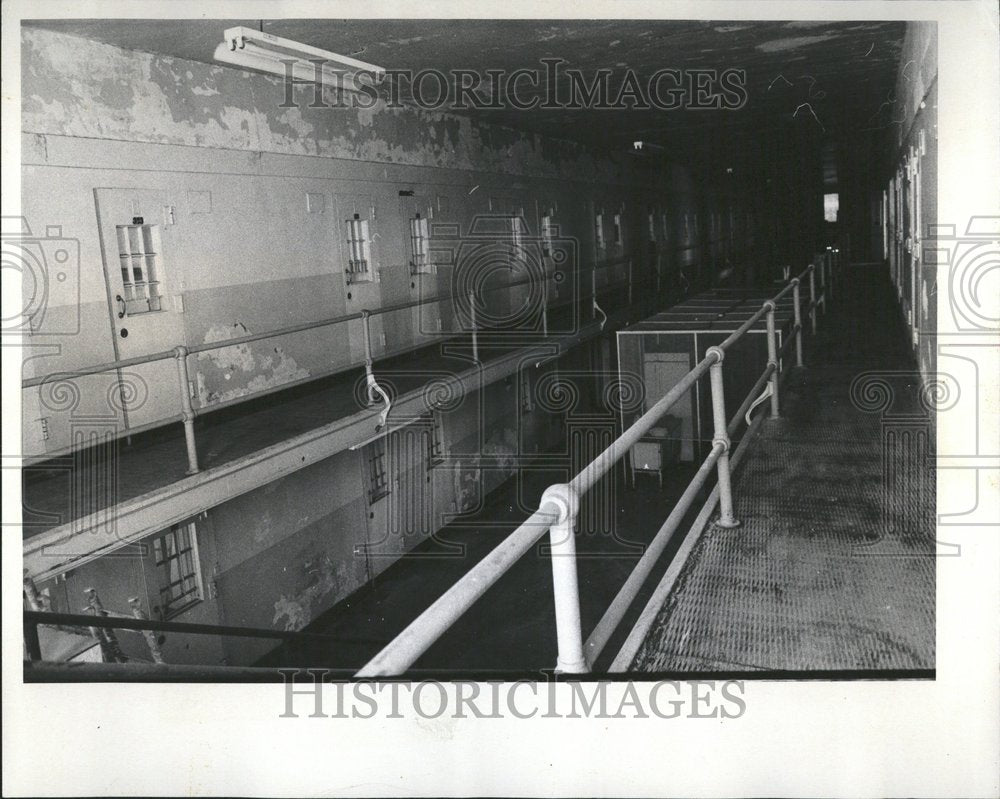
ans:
(136, 228)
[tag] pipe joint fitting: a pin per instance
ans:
(564, 497)
(180, 352)
(718, 352)
(724, 441)
(769, 306)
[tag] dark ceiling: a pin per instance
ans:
(824, 78)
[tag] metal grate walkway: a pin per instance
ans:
(833, 567)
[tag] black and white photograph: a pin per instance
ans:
(466, 400)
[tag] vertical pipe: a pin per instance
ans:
(812, 297)
(772, 356)
(721, 436)
(369, 358)
(475, 333)
(187, 409)
(796, 300)
(630, 281)
(149, 635)
(565, 587)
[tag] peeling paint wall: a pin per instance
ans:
(83, 88)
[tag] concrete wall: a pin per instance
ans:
(913, 188)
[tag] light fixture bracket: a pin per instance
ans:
(252, 49)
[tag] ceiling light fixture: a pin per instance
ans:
(263, 52)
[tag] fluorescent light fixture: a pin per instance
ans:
(253, 49)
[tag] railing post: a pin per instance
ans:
(369, 358)
(562, 540)
(475, 333)
(149, 635)
(187, 409)
(721, 436)
(796, 299)
(772, 356)
(812, 297)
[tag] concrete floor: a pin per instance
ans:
(834, 567)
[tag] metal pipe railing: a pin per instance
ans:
(557, 514)
(32, 619)
(180, 353)
(412, 642)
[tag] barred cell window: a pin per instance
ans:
(651, 222)
(599, 231)
(419, 245)
(358, 249)
(175, 553)
(516, 232)
(139, 253)
(378, 483)
(548, 232)
(617, 230)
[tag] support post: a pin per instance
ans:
(721, 436)
(812, 297)
(630, 281)
(772, 356)
(187, 409)
(475, 332)
(149, 635)
(796, 300)
(562, 540)
(369, 359)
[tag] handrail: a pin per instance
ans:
(122, 363)
(189, 412)
(562, 500)
(556, 514)
(33, 618)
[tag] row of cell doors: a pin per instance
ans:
(902, 237)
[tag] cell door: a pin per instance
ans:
(417, 215)
(136, 228)
(410, 502)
